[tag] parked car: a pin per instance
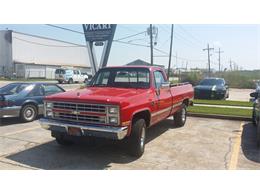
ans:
(25, 100)
(70, 76)
(119, 103)
(212, 88)
(256, 112)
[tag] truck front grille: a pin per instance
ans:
(80, 112)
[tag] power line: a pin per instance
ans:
(190, 34)
(129, 36)
(67, 29)
(47, 45)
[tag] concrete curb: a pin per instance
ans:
(237, 118)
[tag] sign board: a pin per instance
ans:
(99, 32)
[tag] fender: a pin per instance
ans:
(132, 116)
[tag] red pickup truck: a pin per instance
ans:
(119, 103)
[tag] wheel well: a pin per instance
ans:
(32, 103)
(144, 115)
(186, 102)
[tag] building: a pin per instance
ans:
(139, 62)
(30, 56)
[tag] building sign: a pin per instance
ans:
(99, 32)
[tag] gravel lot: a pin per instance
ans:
(198, 145)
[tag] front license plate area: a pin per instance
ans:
(74, 131)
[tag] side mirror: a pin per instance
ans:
(165, 85)
(254, 95)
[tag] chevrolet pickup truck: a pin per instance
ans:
(119, 103)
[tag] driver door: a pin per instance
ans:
(163, 97)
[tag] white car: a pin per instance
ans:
(70, 76)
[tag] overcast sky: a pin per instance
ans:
(240, 43)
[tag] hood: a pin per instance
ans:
(97, 95)
(209, 87)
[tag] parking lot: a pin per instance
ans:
(200, 144)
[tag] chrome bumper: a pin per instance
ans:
(86, 130)
(13, 111)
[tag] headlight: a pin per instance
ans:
(113, 120)
(49, 105)
(113, 110)
(49, 113)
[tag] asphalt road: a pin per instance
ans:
(200, 144)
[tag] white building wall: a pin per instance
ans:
(39, 50)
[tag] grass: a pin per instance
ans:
(220, 111)
(224, 102)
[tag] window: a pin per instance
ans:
(59, 71)
(51, 89)
(75, 71)
(37, 91)
(158, 78)
(102, 78)
(14, 88)
(123, 78)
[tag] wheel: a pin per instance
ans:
(28, 113)
(86, 80)
(70, 81)
(136, 141)
(258, 135)
(254, 117)
(61, 140)
(180, 116)
(60, 82)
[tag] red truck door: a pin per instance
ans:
(163, 97)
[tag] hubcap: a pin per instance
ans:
(29, 113)
(142, 138)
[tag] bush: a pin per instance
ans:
(192, 77)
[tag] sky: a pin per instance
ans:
(240, 43)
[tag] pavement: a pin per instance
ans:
(200, 144)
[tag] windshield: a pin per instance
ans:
(212, 82)
(13, 88)
(122, 78)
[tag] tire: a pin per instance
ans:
(28, 113)
(254, 117)
(258, 135)
(136, 141)
(70, 81)
(60, 82)
(180, 116)
(61, 140)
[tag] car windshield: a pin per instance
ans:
(13, 88)
(212, 82)
(122, 78)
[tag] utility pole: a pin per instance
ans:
(230, 64)
(219, 64)
(151, 43)
(208, 49)
(170, 55)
